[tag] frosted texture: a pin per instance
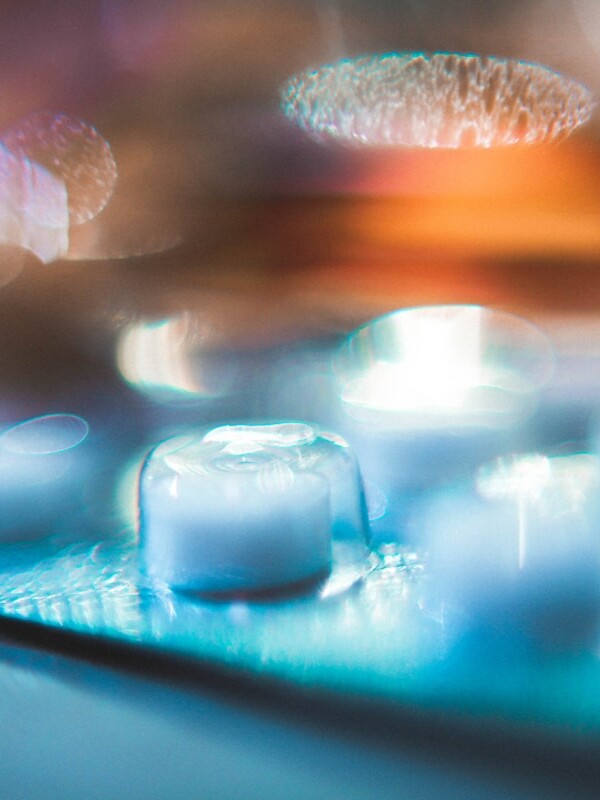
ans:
(74, 152)
(443, 100)
(79, 585)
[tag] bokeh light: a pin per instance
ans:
(443, 100)
(428, 366)
(51, 433)
(235, 255)
(74, 152)
(33, 207)
(171, 360)
(521, 553)
(55, 171)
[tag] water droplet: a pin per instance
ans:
(51, 433)
(71, 150)
(443, 100)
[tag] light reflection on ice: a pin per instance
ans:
(375, 629)
(521, 551)
(428, 394)
(93, 588)
(545, 487)
(436, 365)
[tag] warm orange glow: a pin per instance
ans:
(481, 229)
(565, 171)
(499, 203)
(388, 285)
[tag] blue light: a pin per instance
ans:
(45, 435)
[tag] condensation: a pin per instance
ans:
(444, 100)
(71, 150)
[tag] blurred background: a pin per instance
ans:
(224, 210)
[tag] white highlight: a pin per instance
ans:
(26, 191)
(426, 365)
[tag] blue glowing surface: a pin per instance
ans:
(379, 632)
(378, 638)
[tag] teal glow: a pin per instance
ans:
(45, 435)
(382, 639)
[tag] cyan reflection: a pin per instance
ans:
(44, 435)
(42, 472)
(375, 636)
(94, 588)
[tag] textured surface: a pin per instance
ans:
(443, 100)
(71, 150)
(386, 638)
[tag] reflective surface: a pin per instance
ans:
(219, 277)
(406, 629)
